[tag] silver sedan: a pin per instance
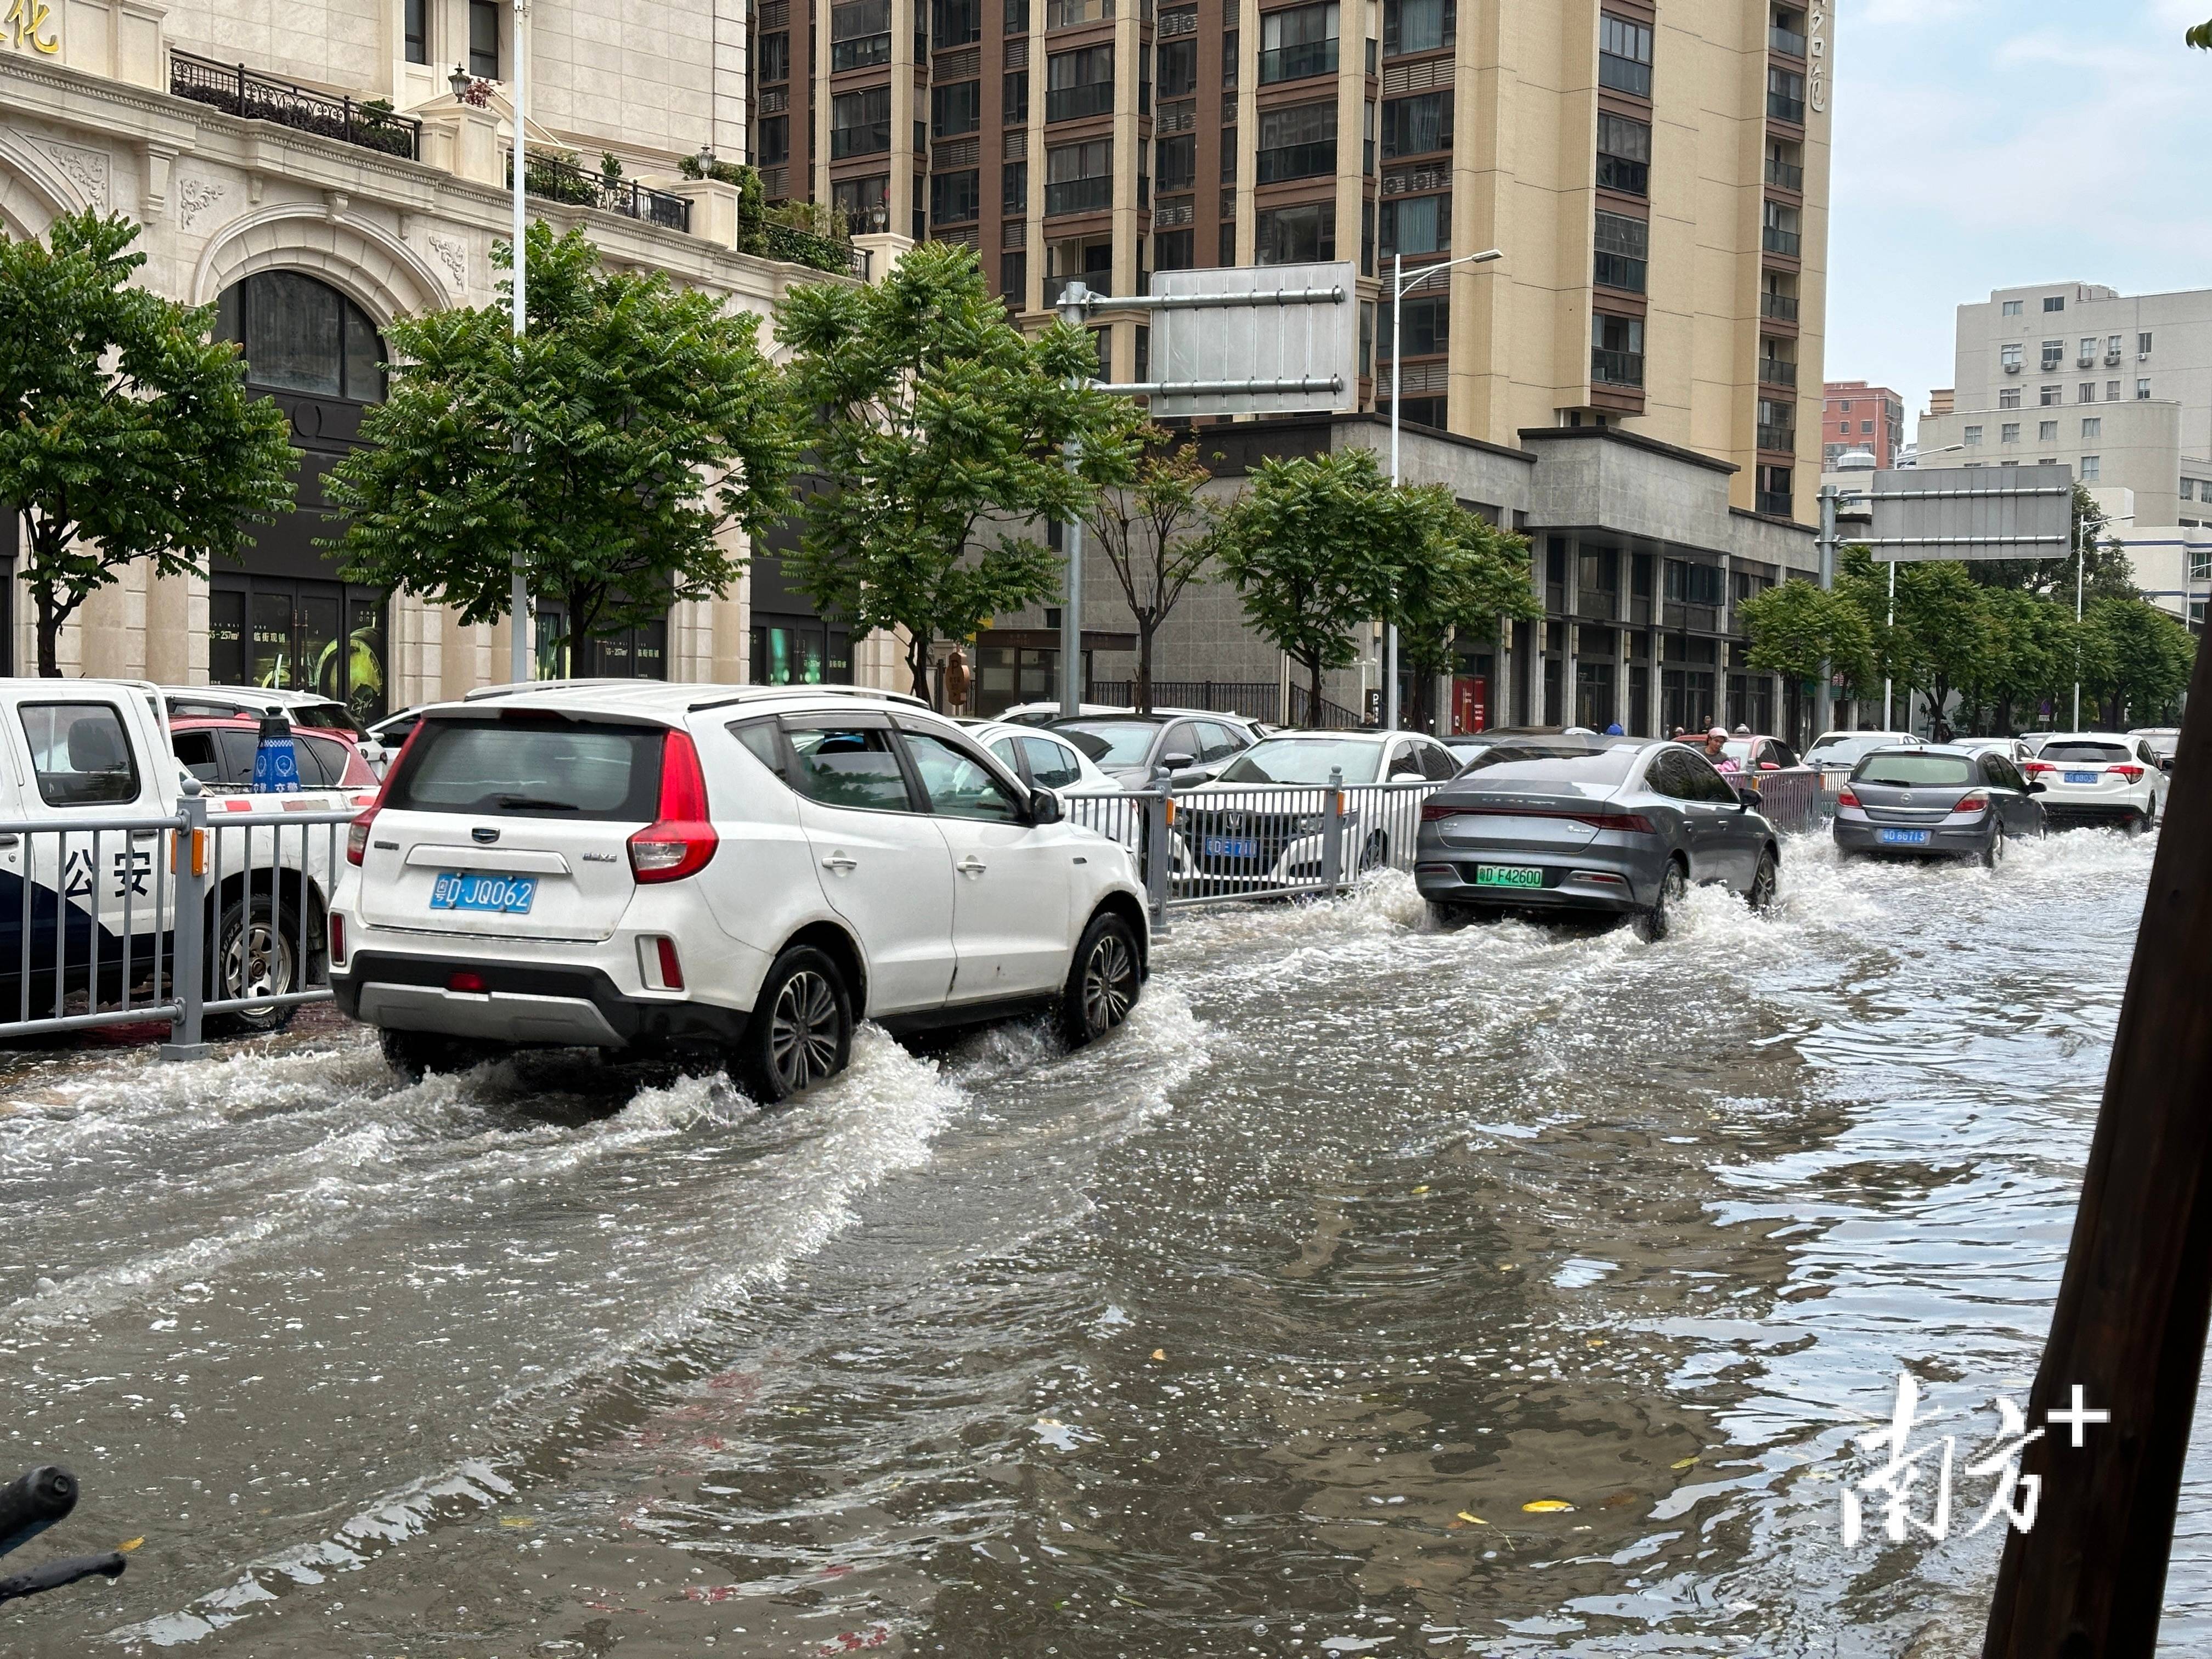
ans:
(1618, 826)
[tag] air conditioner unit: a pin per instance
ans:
(2111, 360)
(2143, 357)
(2012, 369)
(2089, 361)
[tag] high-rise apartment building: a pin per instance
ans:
(1656, 172)
(1855, 416)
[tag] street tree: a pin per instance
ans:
(1315, 546)
(1800, 631)
(125, 431)
(1152, 526)
(649, 421)
(1465, 576)
(932, 416)
(2145, 663)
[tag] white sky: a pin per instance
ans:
(1987, 143)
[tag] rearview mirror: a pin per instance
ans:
(1044, 806)
(1177, 762)
(1746, 799)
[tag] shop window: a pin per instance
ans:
(302, 335)
(326, 637)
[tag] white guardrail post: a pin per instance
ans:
(1332, 834)
(188, 855)
(1159, 857)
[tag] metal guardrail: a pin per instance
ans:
(235, 88)
(1789, 799)
(557, 180)
(136, 919)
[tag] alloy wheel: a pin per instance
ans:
(257, 962)
(1109, 982)
(803, 1031)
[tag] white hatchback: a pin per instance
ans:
(640, 866)
(2104, 777)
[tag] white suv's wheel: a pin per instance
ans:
(1104, 981)
(801, 1031)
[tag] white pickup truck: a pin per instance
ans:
(90, 796)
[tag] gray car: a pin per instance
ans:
(1129, 748)
(1615, 826)
(1938, 802)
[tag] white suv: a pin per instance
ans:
(2101, 776)
(641, 865)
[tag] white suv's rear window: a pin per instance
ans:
(2093, 754)
(531, 768)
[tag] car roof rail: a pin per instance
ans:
(761, 693)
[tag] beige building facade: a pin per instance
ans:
(309, 168)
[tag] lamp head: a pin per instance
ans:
(459, 80)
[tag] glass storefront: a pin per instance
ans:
(630, 653)
(795, 650)
(299, 635)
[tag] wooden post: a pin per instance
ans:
(2129, 1327)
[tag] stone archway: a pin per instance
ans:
(375, 269)
(34, 190)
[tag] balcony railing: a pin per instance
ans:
(1616, 368)
(869, 138)
(1296, 160)
(1785, 41)
(1783, 307)
(804, 247)
(1295, 63)
(1624, 75)
(1067, 13)
(1079, 196)
(1073, 103)
(1775, 239)
(1782, 438)
(1784, 176)
(557, 180)
(1775, 504)
(1778, 371)
(239, 91)
(1617, 270)
(1782, 107)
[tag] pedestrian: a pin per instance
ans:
(1742, 730)
(1680, 734)
(1716, 751)
(1614, 730)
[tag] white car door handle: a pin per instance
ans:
(841, 861)
(971, 865)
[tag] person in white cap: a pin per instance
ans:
(1717, 750)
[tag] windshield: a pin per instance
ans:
(1739, 749)
(1915, 770)
(1305, 760)
(2095, 753)
(531, 768)
(1110, 742)
(1852, 746)
(1518, 765)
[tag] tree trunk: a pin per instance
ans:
(917, 663)
(50, 630)
(1143, 690)
(1313, 692)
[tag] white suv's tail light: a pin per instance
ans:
(680, 842)
(337, 938)
(657, 960)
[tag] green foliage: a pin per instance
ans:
(2106, 573)
(1465, 575)
(2200, 36)
(2144, 664)
(931, 414)
(650, 421)
(1153, 528)
(1796, 628)
(125, 432)
(816, 219)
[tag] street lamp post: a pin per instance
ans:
(518, 659)
(1398, 287)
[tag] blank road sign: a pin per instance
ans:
(1268, 340)
(1972, 513)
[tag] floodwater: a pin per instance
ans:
(1254, 1330)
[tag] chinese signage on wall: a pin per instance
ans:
(31, 25)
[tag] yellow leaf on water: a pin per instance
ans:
(1417, 1191)
(1547, 1506)
(130, 1544)
(516, 1521)
(1159, 1353)
(1472, 1519)
(1684, 1464)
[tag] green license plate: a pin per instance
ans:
(1507, 875)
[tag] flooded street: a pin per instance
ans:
(1252, 1330)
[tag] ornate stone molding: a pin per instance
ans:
(195, 196)
(452, 253)
(85, 169)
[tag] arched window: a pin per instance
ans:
(302, 335)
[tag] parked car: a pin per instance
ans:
(2162, 740)
(222, 701)
(2035, 741)
(381, 742)
(1938, 802)
(1045, 713)
(2098, 777)
(2018, 751)
(1839, 751)
(1615, 826)
(1258, 825)
(755, 871)
(1047, 760)
(1130, 748)
(1755, 755)
(219, 752)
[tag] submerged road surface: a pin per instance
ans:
(1255, 1330)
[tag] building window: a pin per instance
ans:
(1017, 16)
(956, 199)
(1178, 68)
(2093, 468)
(1296, 143)
(1779, 232)
(1176, 165)
(1079, 83)
(2051, 395)
(956, 109)
(1785, 94)
(1866, 426)
(1623, 245)
(1775, 485)
(860, 122)
(2111, 392)
(2093, 425)
(2054, 353)
(1014, 189)
(1624, 55)
(2054, 302)
(1417, 126)
(418, 32)
(1624, 154)
(2046, 432)
(483, 39)
(2012, 308)
(2009, 397)
(2187, 486)
(1974, 434)
(2142, 345)
(2142, 389)
(1416, 224)
(865, 203)
(1226, 245)
(298, 636)
(1079, 177)
(1014, 279)
(1229, 60)
(1298, 42)
(775, 63)
(1174, 250)
(860, 36)
(774, 140)
(302, 335)
(2009, 432)
(1428, 327)
(2009, 356)
(1616, 350)
(1295, 236)
(1014, 98)
(1067, 13)
(1419, 26)
(956, 22)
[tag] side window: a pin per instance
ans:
(1785, 756)
(1053, 765)
(844, 764)
(1218, 742)
(1003, 749)
(197, 750)
(1437, 763)
(235, 749)
(1993, 772)
(1181, 740)
(80, 754)
(958, 785)
(322, 760)
(1705, 783)
(761, 737)
(1667, 776)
